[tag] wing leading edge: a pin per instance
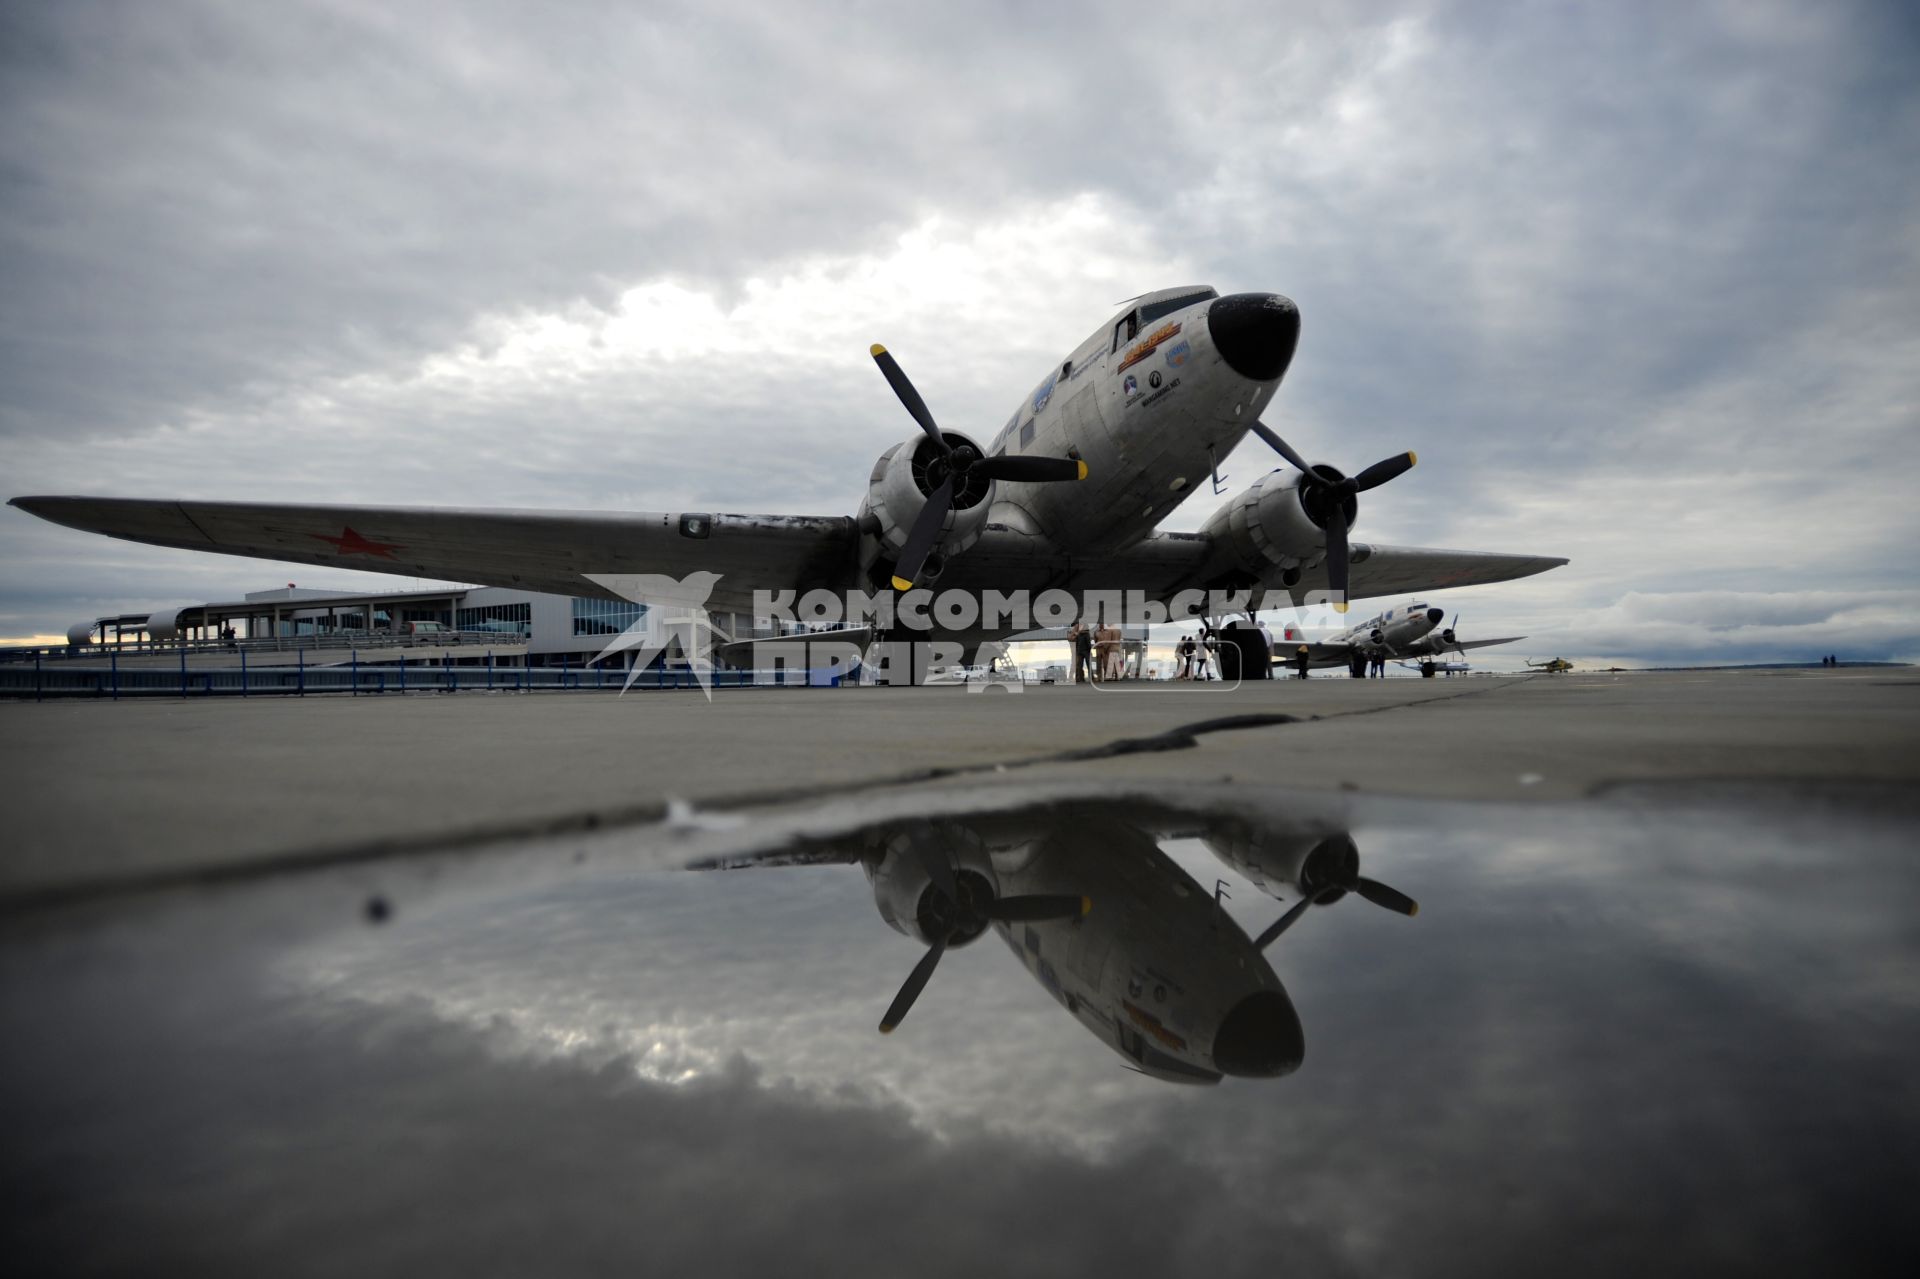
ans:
(551, 551)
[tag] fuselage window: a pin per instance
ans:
(1026, 434)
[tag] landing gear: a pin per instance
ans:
(1244, 653)
(1427, 670)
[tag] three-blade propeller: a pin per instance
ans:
(956, 463)
(1329, 500)
(1371, 889)
(954, 910)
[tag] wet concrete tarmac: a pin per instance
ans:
(103, 791)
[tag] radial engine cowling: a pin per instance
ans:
(1303, 862)
(1268, 526)
(898, 488)
(900, 878)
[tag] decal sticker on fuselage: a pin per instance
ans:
(1153, 1026)
(1147, 347)
(1160, 394)
(1045, 393)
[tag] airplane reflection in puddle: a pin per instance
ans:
(1145, 957)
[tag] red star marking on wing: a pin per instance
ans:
(351, 543)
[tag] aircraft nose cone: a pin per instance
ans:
(1255, 333)
(1260, 1038)
(1435, 614)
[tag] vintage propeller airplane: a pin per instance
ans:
(1406, 631)
(1141, 954)
(1066, 495)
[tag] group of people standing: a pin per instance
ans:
(1197, 655)
(1098, 654)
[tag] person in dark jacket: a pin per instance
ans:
(1082, 653)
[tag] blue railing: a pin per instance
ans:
(352, 677)
(332, 641)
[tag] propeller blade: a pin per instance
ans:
(915, 983)
(1281, 447)
(1030, 470)
(1285, 922)
(1039, 906)
(1337, 552)
(1380, 472)
(897, 379)
(1380, 895)
(924, 533)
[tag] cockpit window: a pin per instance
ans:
(1127, 330)
(1167, 306)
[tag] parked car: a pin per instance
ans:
(426, 632)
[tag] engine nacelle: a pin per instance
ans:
(1268, 528)
(900, 881)
(1432, 644)
(898, 489)
(1289, 863)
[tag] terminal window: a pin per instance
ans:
(508, 619)
(605, 617)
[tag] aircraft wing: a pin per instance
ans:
(550, 551)
(1416, 570)
(1485, 643)
(1165, 563)
(561, 551)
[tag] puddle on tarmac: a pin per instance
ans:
(1613, 1034)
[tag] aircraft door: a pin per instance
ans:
(1081, 419)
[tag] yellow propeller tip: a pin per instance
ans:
(1413, 459)
(1086, 905)
(1083, 471)
(1339, 608)
(902, 584)
(885, 1029)
(878, 349)
(1413, 910)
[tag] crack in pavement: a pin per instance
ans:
(29, 901)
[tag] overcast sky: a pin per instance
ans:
(1641, 283)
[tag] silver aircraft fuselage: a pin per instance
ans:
(1150, 402)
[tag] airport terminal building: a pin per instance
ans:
(517, 625)
(456, 626)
